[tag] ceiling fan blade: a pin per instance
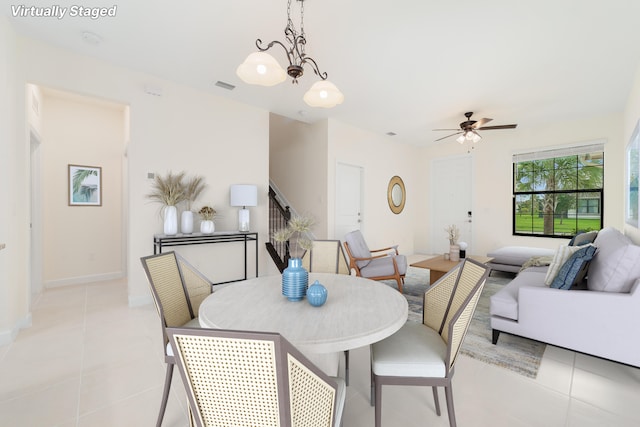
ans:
(497, 127)
(439, 139)
(446, 129)
(481, 122)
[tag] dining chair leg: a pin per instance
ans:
(372, 393)
(378, 408)
(436, 400)
(449, 395)
(346, 367)
(165, 393)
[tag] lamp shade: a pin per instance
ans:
(260, 68)
(244, 195)
(324, 94)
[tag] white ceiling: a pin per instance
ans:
(406, 66)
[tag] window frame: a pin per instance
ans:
(534, 193)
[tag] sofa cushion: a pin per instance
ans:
(504, 303)
(563, 253)
(516, 255)
(573, 268)
(616, 266)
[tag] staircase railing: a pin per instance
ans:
(279, 217)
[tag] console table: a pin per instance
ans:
(162, 240)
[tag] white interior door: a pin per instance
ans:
(451, 201)
(348, 199)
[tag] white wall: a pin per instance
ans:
(492, 222)
(381, 158)
(14, 191)
(184, 129)
(81, 131)
(298, 167)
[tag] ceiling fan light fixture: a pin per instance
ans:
(469, 135)
(461, 139)
(262, 69)
(324, 94)
(476, 138)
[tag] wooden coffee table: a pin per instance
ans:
(440, 266)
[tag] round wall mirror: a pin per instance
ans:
(396, 195)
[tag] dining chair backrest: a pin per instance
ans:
(326, 256)
(168, 289)
(450, 303)
(197, 285)
(251, 378)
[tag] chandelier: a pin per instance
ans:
(261, 68)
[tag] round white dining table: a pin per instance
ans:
(357, 312)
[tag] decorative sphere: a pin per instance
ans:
(317, 294)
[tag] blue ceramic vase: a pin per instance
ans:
(295, 280)
(317, 294)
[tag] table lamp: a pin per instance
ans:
(244, 195)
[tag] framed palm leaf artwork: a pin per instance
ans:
(85, 185)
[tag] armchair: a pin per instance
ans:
(375, 264)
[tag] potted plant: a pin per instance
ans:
(192, 190)
(169, 191)
(207, 213)
(295, 279)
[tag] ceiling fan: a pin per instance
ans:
(468, 129)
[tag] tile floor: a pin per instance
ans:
(90, 360)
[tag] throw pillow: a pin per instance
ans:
(570, 270)
(616, 267)
(583, 238)
(559, 258)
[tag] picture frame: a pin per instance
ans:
(85, 185)
(632, 171)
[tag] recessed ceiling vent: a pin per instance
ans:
(224, 85)
(391, 134)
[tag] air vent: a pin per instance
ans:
(391, 134)
(224, 85)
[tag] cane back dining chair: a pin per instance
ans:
(425, 353)
(178, 289)
(375, 264)
(327, 256)
(239, 378)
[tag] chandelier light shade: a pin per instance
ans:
(323, 94)
(242, 195)
(262, 69)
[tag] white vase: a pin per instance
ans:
(170, 220)
(207, 226)
(454, 253)
(186, 222)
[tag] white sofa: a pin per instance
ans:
(600, 318)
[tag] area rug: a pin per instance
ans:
(515, 353)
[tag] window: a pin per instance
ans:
(558, 193)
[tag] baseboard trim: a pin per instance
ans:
(82, 280)
(8, 336)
